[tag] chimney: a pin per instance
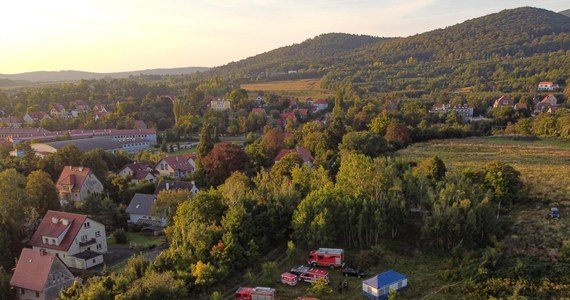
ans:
(54, 220)
(64, 222)
(42, 252)
(80, 169)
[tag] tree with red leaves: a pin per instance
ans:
(222, 161)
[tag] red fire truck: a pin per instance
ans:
(327, 257)
(258, 293)
(314, 274)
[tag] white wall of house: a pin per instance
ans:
(90, 185)
(134, 218)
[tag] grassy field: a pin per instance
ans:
(302, 88)
(545, 170)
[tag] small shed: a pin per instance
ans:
(378, 287)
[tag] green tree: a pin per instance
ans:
(433, 168)
(364, 142)
(319, 288)
(269, 273)
(205, 145)
(167, 202)
(41, 192)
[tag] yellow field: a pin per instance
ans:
(303, 88)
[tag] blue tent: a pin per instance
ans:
(378, 287)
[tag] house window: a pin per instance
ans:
(162, 167)
(46, 241)
(93, 260)
(87, 225)
(97, 233)
(37, 294)
(53, 241)
(99, 247)
(84, 238)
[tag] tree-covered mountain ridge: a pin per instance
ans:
(519, 33)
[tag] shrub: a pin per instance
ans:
(120, 236)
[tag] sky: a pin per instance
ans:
(131, 35)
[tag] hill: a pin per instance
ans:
(70, 75)
(312, 55)
(565, 12)
(508, 50)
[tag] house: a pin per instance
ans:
(166, 184)
(504, 101)
(289, 115)
(140, 211)
(77, 240)
(303, 113)
(76, 183)
(546, 103)
(320, 105)
(11, 121)
(58, 111)
(40, 275)
(35, 117)
(138, 172)
(521, 106)
(220, 104)
(101, 108)
(259, 111)
(463, 110)
(80, 105)
(99, 115)
(378, 287)
(176, 166)
(547, 86)
(304, 153)
(259, 100)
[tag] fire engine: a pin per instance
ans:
(327, 257)
(258, 293)
(289, 278)
(314, 274)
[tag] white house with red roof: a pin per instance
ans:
(176, 166)
(58, 111)
(547, 86)
(142, 171)
(35, 117)
(304, 153)
(76, 183)
(77, 240)
(504, 101)
(40, 275)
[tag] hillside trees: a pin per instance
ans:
(224, 159)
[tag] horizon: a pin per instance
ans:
(71, 36)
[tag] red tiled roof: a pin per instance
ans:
(178, 162)
(258, 110)
(48, 228)
(32, 270)
(321, 101)
(72, 175)
(304, 153)
(288, 115)
(303, 112)
(545, 83)
(545, 99)
(189, 156)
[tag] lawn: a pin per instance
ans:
(302, 88)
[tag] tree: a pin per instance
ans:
(398, 134)
(284, 166)
(41, 192)
(320, 288)
(6, 291)
(269, 272)
(205, 145)
(364, 142)
(433, 168)
(167, 202)
(205, 273)
(94, 160)
(222, 161)
(273, 143)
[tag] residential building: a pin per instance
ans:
(77, 240)
(167, 184)
(59, 111)
(140, 211)
(177, 166)
(320, 104)
(504, 101)
(76, 183)
(17, 135)
(11, 121)
(546, 103)
(35, 117)
(142, 171)
(547, 86)
(304, 153)
(40, 275)
(220, 104)
(464, 111)
(80, 105)
(102, 108)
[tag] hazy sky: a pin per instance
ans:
(128, 35)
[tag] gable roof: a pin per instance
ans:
(72, 176)
(53, 224)
(138, 166)
(174, 184)
(141, 204)
(384, 279)
(304, 153)
(545, 83)
(499, 102)
(549, 97)
(33, 269)
(179, 162)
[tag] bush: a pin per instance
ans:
(120, 236)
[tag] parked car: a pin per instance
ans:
(352, 271)
(554, 213)
(299, 270)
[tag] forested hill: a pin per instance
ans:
(512, 49)
(565, 12)
(313, 54)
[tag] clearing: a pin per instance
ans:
(302, 88)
